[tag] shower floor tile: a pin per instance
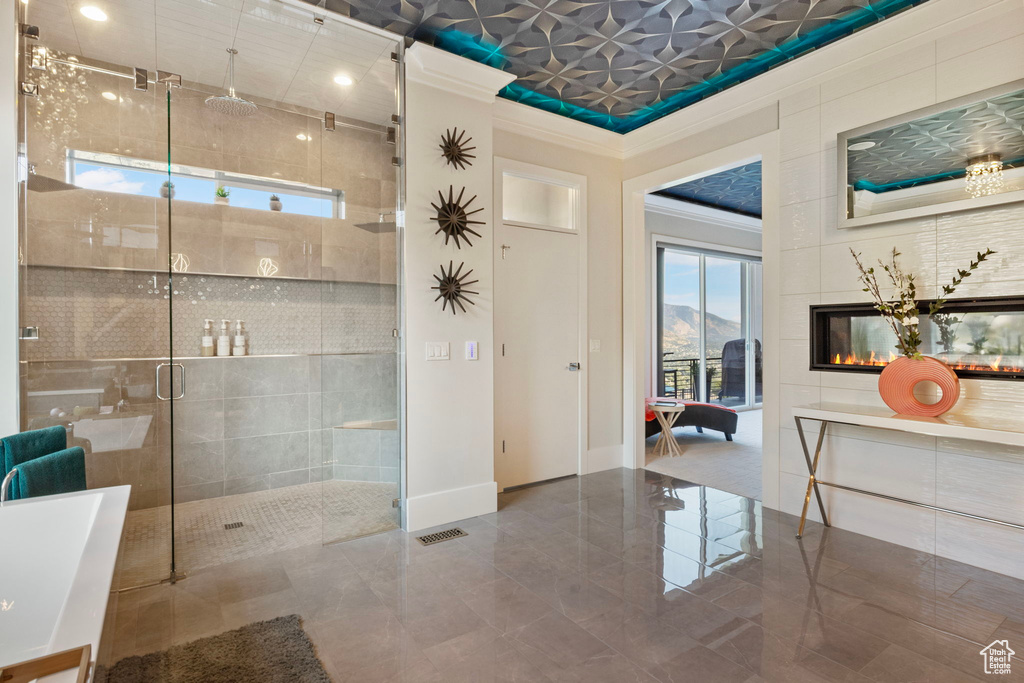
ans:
(271, 521)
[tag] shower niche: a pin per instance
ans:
(146, 212)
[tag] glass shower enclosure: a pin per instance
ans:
(210, 270)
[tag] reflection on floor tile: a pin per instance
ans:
(278, 519)
(616, 576)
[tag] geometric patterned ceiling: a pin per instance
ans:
(936, 148)
(620, 64)
(737, 190)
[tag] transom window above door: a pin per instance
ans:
(534, 202)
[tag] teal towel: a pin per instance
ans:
(26, 446)
(61, 472)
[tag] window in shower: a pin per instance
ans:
(147, 178)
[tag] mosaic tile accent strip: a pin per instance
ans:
(88, 313)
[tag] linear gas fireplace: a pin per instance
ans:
(981, 338)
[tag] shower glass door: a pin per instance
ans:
(248, 203)
(147, 211)
(94, 292)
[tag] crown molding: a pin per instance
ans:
(704, 214)
(528, 121)
(886, 39)
(449, 72)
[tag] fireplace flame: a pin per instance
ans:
(981, 365)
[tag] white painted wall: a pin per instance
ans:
(697, 230)
(9, 391)
(450, 404)
(944, 49)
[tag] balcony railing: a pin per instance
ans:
(680, 378)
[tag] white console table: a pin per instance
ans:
(991, 427)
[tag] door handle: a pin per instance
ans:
(575, 367)
(170, 365)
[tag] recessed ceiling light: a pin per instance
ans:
(861, 146)
(302, 136)
(342, 79)
(109, 96)
(93, 12)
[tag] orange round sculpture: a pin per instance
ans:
(898, 379)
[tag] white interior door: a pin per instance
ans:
(537, 276)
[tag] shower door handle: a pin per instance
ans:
(170, 365)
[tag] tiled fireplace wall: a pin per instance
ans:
(816, 267)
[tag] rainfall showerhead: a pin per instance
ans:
(229, 104)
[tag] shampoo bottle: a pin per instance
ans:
(239, 348)
(207, 348)
(224, 340)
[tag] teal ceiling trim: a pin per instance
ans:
(925, 180)
(475, 48)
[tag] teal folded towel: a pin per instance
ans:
(60, 472)
(26, 446)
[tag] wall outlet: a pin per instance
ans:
(472, 351)
(595, 344)
(438, 351)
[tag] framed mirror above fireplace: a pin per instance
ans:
(958, 155)
(978, 338)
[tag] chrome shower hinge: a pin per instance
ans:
(38, 59)
(392, 137)
(30, 89)
(30, 31)
(170, 79)
(395, 161)
(141, 79)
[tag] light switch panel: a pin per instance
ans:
(437, 351)
(472, 351)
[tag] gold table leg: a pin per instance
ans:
(812, 470)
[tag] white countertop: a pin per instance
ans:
(997, 424)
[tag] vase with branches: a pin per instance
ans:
(902, 313)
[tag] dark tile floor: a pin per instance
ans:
(618, 576)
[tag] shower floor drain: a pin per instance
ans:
(446, 535)
(233, 525)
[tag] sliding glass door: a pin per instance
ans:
(708, 320)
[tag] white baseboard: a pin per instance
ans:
(443, 507)
(604, 458)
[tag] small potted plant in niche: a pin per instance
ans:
(900, 376)
(275, 203)
(167, 190)
(221, 195)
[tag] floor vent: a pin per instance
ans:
(446, 535)
(233, 525)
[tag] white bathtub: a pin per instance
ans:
(57, 559)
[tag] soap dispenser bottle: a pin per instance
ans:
(224, 340)
(207, 348)
(239, 348)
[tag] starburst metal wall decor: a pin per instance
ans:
(456, 150)
(453, 217)
(450, 287)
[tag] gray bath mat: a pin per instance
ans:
(277, 650)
